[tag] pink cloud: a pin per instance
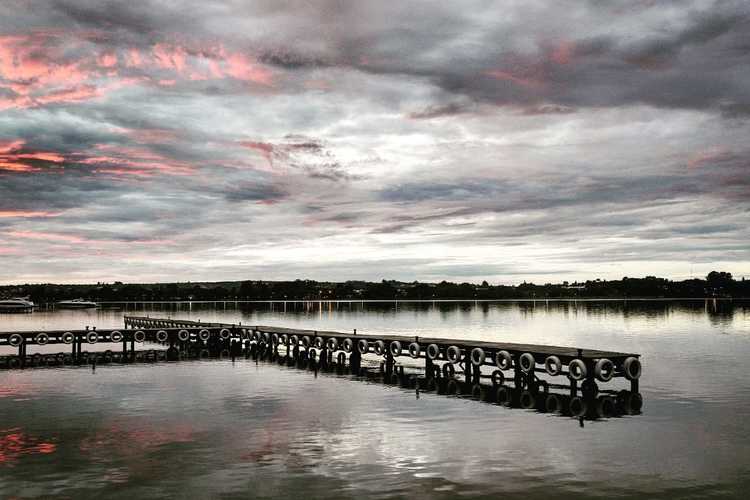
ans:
(263, 148)
(196, 62)
(108, 60)
(152, 135)
(133, 58)
(242, 68)
(562, 53)
(14, 158)
(51, 157)
(9, 146)
(54, 237)
(37, 69)
(9, 166)
(81, 243)
(70, 94)
(10, 214)
(169, 57)
(32, 62)
(135, 161)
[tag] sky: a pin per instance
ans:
(510, 141)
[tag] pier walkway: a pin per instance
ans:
(460, 359)
(544, 378)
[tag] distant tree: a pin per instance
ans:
(720, 282)
(719, 278)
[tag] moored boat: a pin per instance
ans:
(76, 304)
(16, 305)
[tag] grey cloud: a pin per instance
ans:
(254, 192)
(459, 191)
(551, 137)
(50, 191)
(695, 63)
(440, 110)
(704, 27)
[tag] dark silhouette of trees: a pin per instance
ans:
(716, 284)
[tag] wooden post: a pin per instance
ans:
(355, 360)
(323, 357)
(388, 362)
(518, 375)
(591, 381)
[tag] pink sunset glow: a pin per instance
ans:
(14, 158)
(35, 69)
(285, 140)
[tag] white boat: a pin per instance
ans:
(16, 305)
(76, 304)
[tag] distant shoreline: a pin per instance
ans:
(388, 301)
(716, 285)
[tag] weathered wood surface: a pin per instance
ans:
(562, 352)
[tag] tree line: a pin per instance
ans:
(715, 284)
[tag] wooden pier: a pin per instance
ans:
(462, 360)
(457, 367)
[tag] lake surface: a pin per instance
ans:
(218, 429)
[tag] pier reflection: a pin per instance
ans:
(552, 399)
(549, 398)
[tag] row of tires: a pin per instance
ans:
(604, 369)
(577, 406)
(93, 336)
(587, 405)
(158, 324)
(64, 359)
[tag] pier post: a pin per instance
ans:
(323, 357)
(517, 375)
(467, 369)
(355, 360)
(588, 386)
(388, 363)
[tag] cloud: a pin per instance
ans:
(227, 140)
(438, 111)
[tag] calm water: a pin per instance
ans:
(217, 429)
